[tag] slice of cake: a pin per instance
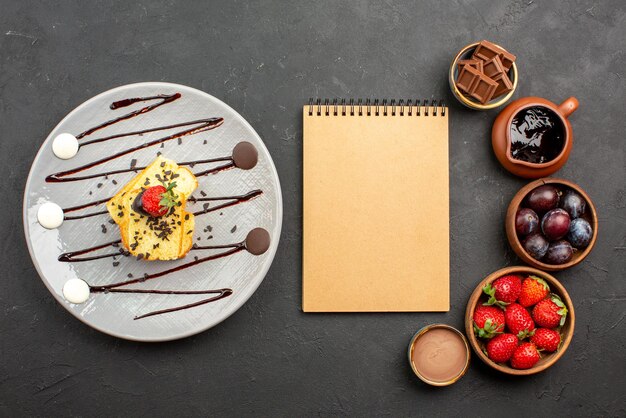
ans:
(150, 211)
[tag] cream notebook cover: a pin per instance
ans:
(376, 208)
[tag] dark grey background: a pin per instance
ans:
(265, 60)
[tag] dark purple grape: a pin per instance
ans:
(580, 233)
(559, 252)
(526, 222)
(573, 203)
(543, 198)
(536, 245)
(555, 224)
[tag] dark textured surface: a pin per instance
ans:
(265, 61)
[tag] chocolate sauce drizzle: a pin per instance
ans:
(72, 256)
(204, 125)
(135, 169)
(234, 200)
(234, 248)
(221, 294)
(163, 99)
(84, 206)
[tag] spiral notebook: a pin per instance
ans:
(376, 206)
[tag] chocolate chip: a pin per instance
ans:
(233, 229)
(133, 163)
(99, 185)
(202, 193)
(113, 181)
(180, 141)
(116, 263)
(129, 275)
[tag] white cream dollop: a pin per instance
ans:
(65, 146)
(50, 215)
(76, 291)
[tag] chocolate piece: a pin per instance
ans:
(257, 241)
(504, 85)
(245, 155)
(467, 78)
(486, 51)
(478, 64)
(483, 89)
(493, 67)
(507, 60)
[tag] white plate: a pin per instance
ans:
(242, 272)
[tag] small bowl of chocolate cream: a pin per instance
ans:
(439, 354)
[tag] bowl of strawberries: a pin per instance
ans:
(519, 320)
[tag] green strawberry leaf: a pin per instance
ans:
(563, 311)
(525, 334)
(169, 199)
(490, 329)
(557, 300)
(540, 281)
(490, 291)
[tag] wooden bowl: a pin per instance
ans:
(547, 359)
(591, 216)
(468, 101)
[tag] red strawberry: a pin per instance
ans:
(504, 290)
(157, 200)
(525, 356)
(550, 312)
(519, 321)
(488, 321)
(546, 339)
(533, 290)
(501, 347)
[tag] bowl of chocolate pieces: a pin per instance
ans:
(483, 75)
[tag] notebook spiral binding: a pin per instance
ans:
(361, 107)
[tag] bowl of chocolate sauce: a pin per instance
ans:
(532, 137)
(439, 354)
